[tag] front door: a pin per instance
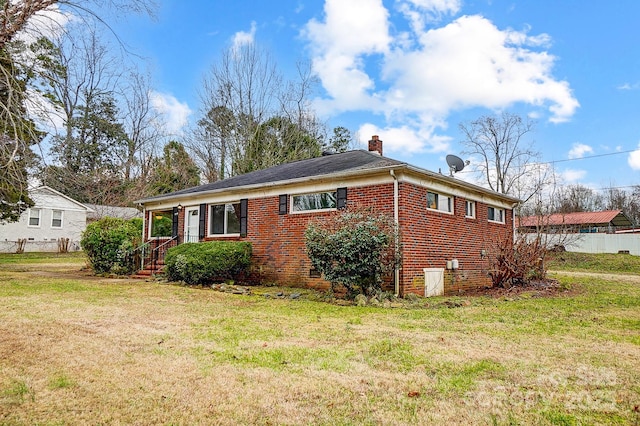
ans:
(191, 224)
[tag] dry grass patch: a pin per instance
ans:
(104, 351)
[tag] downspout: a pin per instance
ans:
(513, 220)
(397, 223)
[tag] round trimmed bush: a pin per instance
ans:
(199, 263)
(109, 243)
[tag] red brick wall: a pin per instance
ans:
(429, 239)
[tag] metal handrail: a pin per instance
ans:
(158, 252)
(138, 254)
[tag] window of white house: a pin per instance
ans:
(225, 219)
(470, 209)
(443, 203)
(34, 217)
(56, 219)
(316, 201)
(161, 223)
(496, 215)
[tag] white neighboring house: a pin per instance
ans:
(99, 211)
(53, 216)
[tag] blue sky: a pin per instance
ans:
(411, 70)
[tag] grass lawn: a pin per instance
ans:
(606, 263)
(77, 349)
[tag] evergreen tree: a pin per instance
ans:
(176, 170)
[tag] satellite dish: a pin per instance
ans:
(455, 164)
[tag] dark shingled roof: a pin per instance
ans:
(319, 166)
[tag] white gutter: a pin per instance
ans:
(396, 218)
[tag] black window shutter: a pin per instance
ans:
(174, 223)
(282, 207)
(244, 204)
(202, 221)
(342, 198)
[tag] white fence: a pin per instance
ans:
(600, 243)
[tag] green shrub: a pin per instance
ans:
(354, 248)
(198, 263)
(109, 242)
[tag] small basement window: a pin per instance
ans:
(314, 273)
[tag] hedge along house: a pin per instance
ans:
(447, 226)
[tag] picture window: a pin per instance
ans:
(225, 219)
(315, 201)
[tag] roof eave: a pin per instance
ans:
(343, 174)
(471, 186)
(242, 188)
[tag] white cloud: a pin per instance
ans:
(49, 23)
(351, 29)
(634, 159)
(471, 63)
(572, 175)
(47, 115)
(417, 79)
(405, 139)
(629, 86)
(578, 150)
(242, 38)
(421, 12)
(174, 113)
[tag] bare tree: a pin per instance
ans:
(141, 122)
(577, 198)
(252, 118)
(627, 201)
(25, 53)
(18, 132)
(505, 157)
(16, 15)
(92, 144)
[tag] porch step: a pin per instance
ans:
(148, 272)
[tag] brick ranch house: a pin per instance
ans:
(447, 225)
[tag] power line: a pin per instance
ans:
(571, 159)
(614, 187)
(589, 156)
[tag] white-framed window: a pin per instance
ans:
(440, 202)
(315, 201)
(495, 214)
(470, 209)
(56, 219)
(224, 219)
(34, 217)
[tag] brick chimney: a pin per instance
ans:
(375, 144)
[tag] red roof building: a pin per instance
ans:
(608, 221)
